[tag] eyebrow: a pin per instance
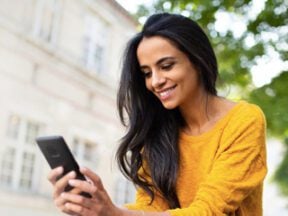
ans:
(159, 61)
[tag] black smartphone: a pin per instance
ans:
(57, 153)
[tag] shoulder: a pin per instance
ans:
(246, 126)
(245, 118)
(241, 111)
(247, 112)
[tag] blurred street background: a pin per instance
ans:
(59, 70)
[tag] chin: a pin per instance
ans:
(169, 106)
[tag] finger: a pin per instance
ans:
(93, 177)
(54, 174)
(77, 199)
(79, 210)
(75, 191)
(84, 186)
(60, 185)
(60, 201)
(61, 206)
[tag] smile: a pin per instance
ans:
(165, 94)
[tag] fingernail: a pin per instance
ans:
(59, 169)
(72, 174)
(63, 194)
(71, 182)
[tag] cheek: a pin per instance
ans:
(148, 84)
(191, 85)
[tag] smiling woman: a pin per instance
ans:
(188, 151)
(168, 73)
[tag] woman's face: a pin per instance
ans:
(168, 73)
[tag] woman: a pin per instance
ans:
(191, 152)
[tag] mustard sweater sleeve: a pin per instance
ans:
(143, 202)
(238, 169)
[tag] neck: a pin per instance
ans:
(199, 113)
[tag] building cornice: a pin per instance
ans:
(123, 11)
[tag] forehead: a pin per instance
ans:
(156, 47)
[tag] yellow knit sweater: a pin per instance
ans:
(221, 171)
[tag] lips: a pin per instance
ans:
(166, 93)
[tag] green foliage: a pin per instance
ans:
(282, 172)
(274, 15)
(236, 57)
(273, 99)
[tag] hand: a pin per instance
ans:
(59, 185)
(99, 205)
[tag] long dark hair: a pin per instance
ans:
(153, 131)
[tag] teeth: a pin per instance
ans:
(166, 93)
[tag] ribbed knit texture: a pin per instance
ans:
(221, 171)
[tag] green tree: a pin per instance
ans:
(265, 31)
(273, 99)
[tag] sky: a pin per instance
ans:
(267, 67)
(131, 5)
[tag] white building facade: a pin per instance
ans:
(59, 71)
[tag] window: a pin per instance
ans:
(88, 151)
(95, 43)
(98, 57)
(27, 169)
(13, 127)
(75, 146)
(31, 132)
(7, 166)
(47, 17)
(84, 149)
(124, 191)
(18, 159)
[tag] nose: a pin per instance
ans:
(157, 79)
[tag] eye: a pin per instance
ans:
(167, 66)
(147, 74)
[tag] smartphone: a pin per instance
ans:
(57, 153)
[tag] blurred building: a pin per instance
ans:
(60, 62)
